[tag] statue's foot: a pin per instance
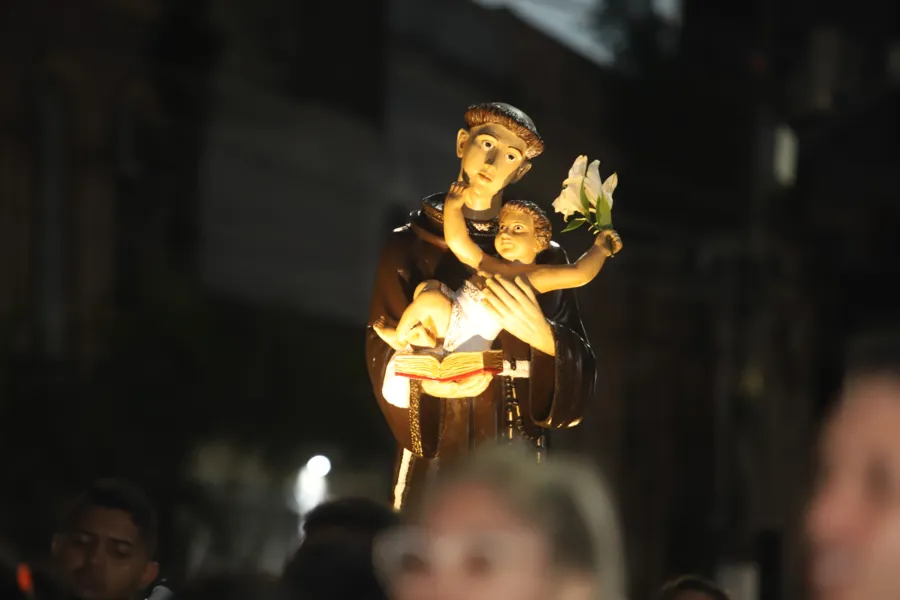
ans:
(387, 334)
(422, 337)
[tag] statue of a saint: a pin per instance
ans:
(549, 373)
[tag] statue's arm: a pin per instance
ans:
(562, 386)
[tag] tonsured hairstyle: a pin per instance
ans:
(567, 501)
(543, 230)
(510, 117)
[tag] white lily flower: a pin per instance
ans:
(569, 200)
(593, 183)
(584, 182)
(609, 186)
(578, 169)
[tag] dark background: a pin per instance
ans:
(192, 197)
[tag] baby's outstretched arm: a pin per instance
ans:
(546, 278)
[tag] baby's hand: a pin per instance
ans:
(610, 241)
(455, 195)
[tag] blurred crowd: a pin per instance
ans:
(500, 526)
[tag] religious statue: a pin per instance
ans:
(440, 286)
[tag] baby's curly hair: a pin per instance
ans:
(543, 230)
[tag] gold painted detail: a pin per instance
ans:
(477, 228)
(402, 479)
(415, 432)
(514, 411)
(433, 213)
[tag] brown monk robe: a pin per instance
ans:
(554, 396)
(495, 150)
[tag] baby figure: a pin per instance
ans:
(459, 317)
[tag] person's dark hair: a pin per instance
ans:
(359, 515)
(334, 562)
(510, 117)
(334, 566)
(876, 353)
(121, 495)
(691, 583)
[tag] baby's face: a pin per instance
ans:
(515, 239)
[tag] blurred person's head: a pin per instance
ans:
(691, 587)
(503, 527)
(334, 560)
(236, 586)
(106, 543)
(858, 490)
(351, 516)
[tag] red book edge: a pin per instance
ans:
(492, 371)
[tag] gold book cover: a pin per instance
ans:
(456, 366)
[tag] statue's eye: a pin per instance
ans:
(511, 157)
(487, 144)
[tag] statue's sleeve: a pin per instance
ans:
(391, 295)
(562, 386)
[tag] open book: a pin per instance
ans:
(453, 367)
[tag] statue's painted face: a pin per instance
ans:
(515, 240)
(492, 158)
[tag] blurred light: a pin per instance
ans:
(566, 21)
(309, 490)
(669, 11)
(740, 579)
(311, 486)
(785, 159)
(319, 466)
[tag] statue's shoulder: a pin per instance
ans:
(424, 224)
(400, 238)
(554, 254)
(433, 209)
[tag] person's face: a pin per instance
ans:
(858, 494)
(103, 557)
(469, 545)
(492, 158)
(515, 240)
